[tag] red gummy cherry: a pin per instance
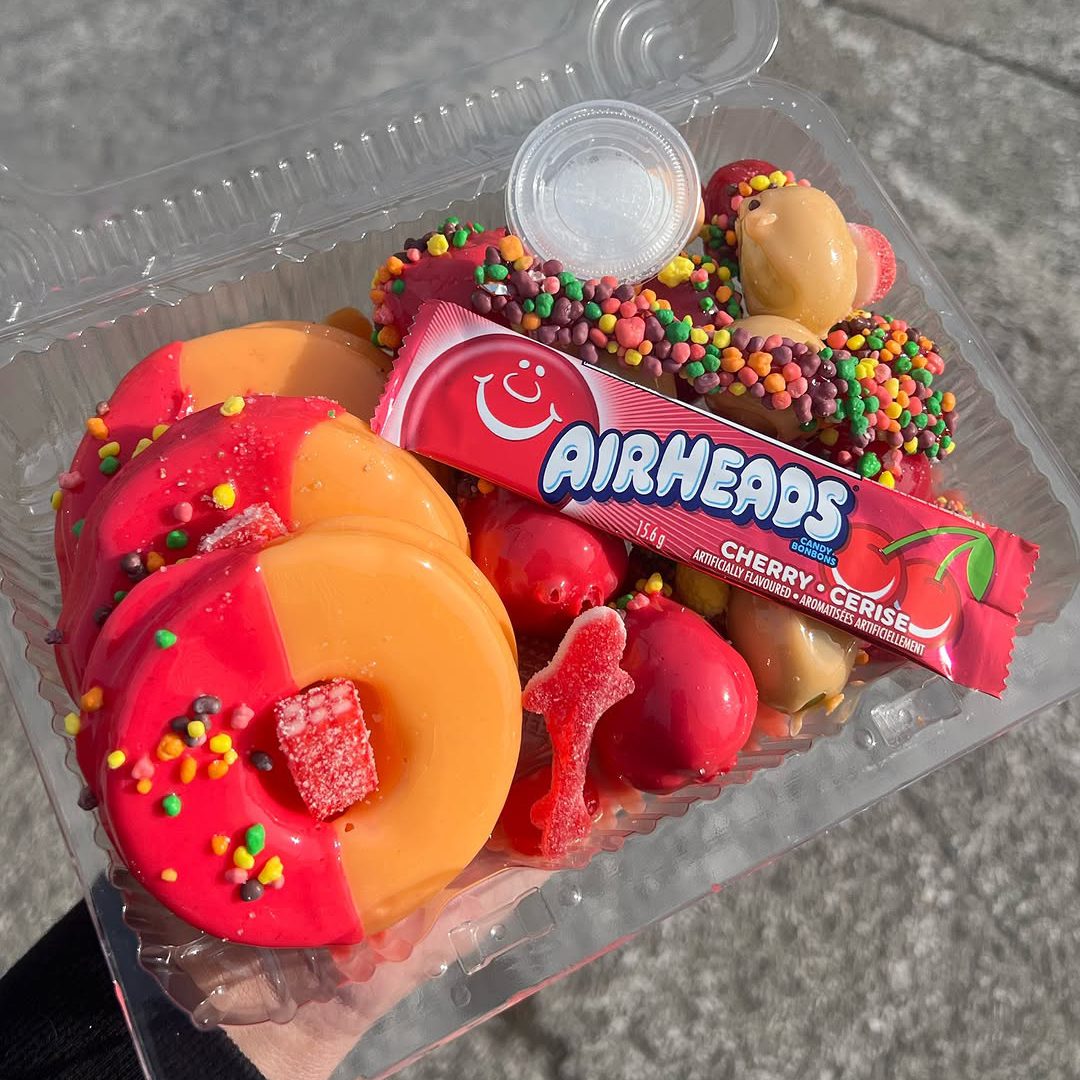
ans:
(546, 568)
(717, 197)
(862, 568)
(933, 607)
(522, 835)
(692, 708)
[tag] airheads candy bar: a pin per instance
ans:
(935, 587)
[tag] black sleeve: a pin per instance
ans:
(59, 1019)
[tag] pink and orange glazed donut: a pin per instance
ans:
(286, 461)
(183, 743)
(289, 358)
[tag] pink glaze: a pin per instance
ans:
(255, 450)
(151, 394)
(228, 645)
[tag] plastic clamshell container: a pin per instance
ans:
(96, 270)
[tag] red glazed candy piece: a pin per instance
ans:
(256, 527)
(547, 568)
(717, 198)
(876, 264)
(916, 477)
(326, 743)
(580, 684)
(693, 706)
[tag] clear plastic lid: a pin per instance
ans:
(605, 187)
(140, 168)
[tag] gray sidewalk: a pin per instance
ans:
(938, 934)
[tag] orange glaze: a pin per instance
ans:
(293, 359)
(335, 458)
(468, 571)
(354, 322)
(287, 358)
(440, 691)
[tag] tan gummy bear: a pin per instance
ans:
(796, 257)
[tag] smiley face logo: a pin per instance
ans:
(496, 401)
(500, 428)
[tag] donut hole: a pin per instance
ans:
(386, 743)
(277, 782)
(386, 749)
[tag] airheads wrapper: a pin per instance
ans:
(935, 587)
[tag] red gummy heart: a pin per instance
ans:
(326, 743)
(580, 684)
(256, 526)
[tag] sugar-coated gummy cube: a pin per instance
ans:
(255, 526)
(582, 681)
(325, 741)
